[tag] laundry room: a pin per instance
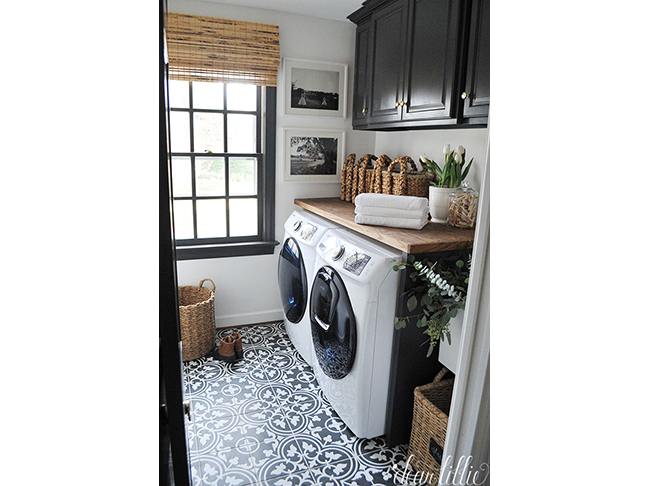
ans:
(305, 373)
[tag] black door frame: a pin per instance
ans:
(174, 457)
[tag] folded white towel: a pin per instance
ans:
(393, 212)
(408, 223)
(389, 201)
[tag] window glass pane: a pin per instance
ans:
(243, 217)
(178, 94)
(183, 219)
(181, 176)
(210, 176)
(207, 95)
(241, 97)
(241, 133)
(242, 176)
(179, 131)
(208, 132)
(211, 218)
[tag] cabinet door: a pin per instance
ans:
(387, 61)
(476, 94)
(361, 84)
(431, 60)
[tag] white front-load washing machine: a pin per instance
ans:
(352, 309)
(303, 231)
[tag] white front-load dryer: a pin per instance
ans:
(303, 231)
(352, 309)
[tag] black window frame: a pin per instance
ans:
(264, 242)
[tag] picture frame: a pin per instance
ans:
(315, 88)
(313, 155)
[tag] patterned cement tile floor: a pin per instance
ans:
(264, 421)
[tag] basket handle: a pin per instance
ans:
(440, 375)
(207, 280)
(347, 177)
(367, 160)
(378, 167)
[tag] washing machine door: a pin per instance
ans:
(293, 282)
(333, 324)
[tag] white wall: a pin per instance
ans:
(246, 290)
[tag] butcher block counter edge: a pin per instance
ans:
(433, 237)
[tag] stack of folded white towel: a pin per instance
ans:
(387, 210)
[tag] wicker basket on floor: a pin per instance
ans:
(197, 320)
(429, 426)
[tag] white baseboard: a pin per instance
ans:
(248, 318)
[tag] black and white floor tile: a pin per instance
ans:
(264, 421)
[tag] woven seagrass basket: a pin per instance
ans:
(197, 320)
(406, 182)
(429, 426)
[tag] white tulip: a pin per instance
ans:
(446, 149)
(457, 158)
(461, 150)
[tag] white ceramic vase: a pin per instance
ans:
(439, 203)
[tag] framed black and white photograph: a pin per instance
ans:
(314, 88)
(313, 155)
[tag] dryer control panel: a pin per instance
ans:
(344, 255)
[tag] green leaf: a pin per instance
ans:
(430, 349)
(426, 300)
(465, 172)
(449, 340)
(459, 263)
(411, 303)
(445, 319)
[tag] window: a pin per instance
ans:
(222, 165)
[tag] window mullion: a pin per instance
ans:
(227, 162)
(193, 162)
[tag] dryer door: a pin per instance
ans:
(333, 324)
(293, 283)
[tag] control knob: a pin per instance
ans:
(338, 252)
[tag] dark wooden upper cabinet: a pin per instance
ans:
(476, 93)
(412, 64)
(431, 60)
(361, 84)
(387, 62)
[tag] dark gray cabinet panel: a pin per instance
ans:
(361, 83)
(388, 62)
(432, 59)
(476, 94)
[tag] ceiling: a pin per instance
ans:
(323, 9)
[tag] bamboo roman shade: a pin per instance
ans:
(221, 50)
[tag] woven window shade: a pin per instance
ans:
(221, 50)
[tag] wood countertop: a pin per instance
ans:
(432, 237)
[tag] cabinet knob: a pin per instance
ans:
(402, 103)
(464, 95)
(397, 104)
(364, 110)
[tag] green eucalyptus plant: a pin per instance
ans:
(438, 292)
(453, 172)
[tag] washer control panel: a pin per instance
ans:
(356, 262)
(308, 231)
(344, 255)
